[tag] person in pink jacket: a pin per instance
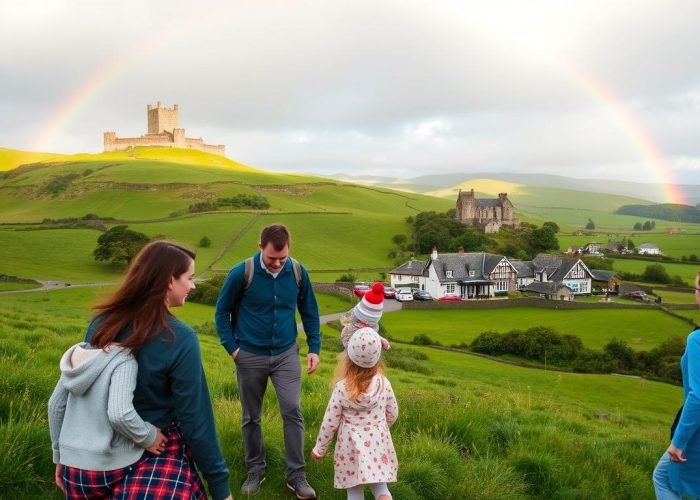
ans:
(361, 410)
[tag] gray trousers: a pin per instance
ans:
(252, 372)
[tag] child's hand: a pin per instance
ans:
(385, 344)
(315, 457)
(159, 444)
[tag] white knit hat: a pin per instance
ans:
(369, 309)
(365, 347)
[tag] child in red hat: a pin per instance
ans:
(366, 313)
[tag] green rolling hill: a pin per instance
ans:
(499, 431)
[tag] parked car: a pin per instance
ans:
(404, 295)
(360, 290)
(450, 297)
(389, 292)
(637, 295)
(422, 295)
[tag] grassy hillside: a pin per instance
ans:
(571, 209)
(468, 428)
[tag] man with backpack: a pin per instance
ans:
(255, 319)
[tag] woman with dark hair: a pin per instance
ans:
(171, 389)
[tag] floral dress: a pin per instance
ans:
(364, 451)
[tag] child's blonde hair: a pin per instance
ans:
(357, 379)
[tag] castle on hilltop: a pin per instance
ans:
(164, 131)
(488, 215)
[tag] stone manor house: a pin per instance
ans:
(489, 215)
(163, 131)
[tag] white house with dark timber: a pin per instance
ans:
(471, 275)
(572, 273)
(485, 275)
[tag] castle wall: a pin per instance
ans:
(163, 131)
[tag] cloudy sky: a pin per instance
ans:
(594, 88)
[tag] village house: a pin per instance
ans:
(484, 275)
(648, 249)
(471, 275)
(592, 248)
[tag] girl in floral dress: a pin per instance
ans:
(361, 410)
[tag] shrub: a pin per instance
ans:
(205, 242)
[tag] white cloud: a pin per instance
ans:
(402, 87)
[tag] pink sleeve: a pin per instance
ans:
(330, 423)
(392, 406)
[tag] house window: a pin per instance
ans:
(501, 286)
(450, 288)
(584, 287)
(448, 274)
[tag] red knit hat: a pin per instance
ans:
(369, 309)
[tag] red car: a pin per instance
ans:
(389, 292)
(450, 297)
(360, 290)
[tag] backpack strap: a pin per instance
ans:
(296, 267)
(248, 273)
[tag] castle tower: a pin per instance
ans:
(162, 119)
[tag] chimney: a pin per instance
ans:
(434, 255)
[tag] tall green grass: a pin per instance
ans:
(468, 428)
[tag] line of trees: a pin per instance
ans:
(545, 345)
(238, 201)
(664, 211)
(646, 226)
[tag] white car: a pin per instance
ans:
(404, 295)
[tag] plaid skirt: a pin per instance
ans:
(169, 475)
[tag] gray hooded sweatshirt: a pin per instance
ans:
(92, 420)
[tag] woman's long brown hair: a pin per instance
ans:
(357, 379)
(140, 301)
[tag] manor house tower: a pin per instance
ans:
(163, 131)
(488, 215)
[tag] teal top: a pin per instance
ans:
(171, 387)
(265, 321)
(685, 476)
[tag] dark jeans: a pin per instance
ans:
(252, 372)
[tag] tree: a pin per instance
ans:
(646, 226)
(630, 245)
(119, 245)
(590, 224)
(552, 225)
(205, 242)
(399, 239)
(656, 273)
(621, 353)
(638, 226)
(543, 239)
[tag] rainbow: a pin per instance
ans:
(599, 91)
(636, 132)
(104, 76)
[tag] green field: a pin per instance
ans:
(469, 427)
(493, 426)
(687, 272)
(641, 329)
